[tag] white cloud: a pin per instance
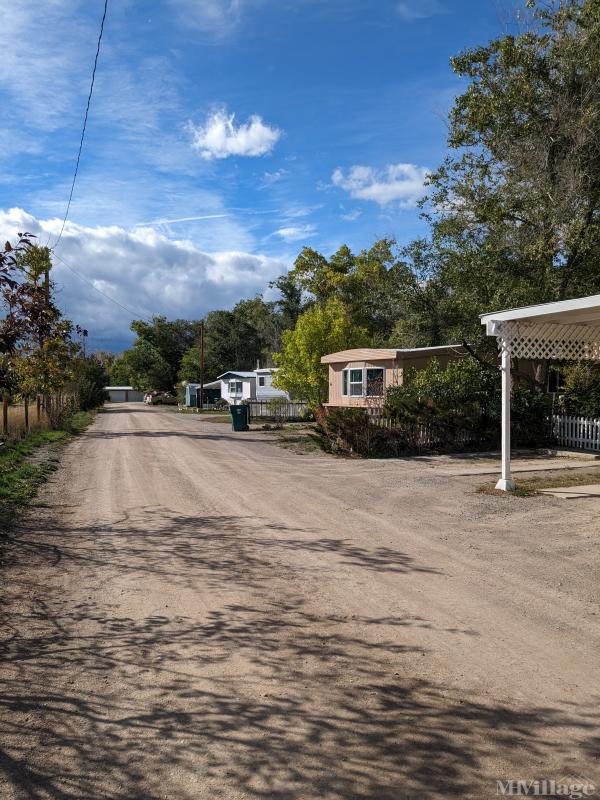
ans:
(396, 182)
(215, 17)
(143, 270)
(410, 10)
(41, 77)
(220, 137)
(294, 233)
(351, 216)
(274, 177)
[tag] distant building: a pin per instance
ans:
(212, 393)
(124, 394)
(264, 385)
(238, 386)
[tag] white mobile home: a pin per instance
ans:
(264, 385)
(237, 386)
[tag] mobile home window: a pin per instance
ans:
(261, 380)
(356, 382)
(235, 387)
(375, 382)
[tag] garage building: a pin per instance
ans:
(124, 394)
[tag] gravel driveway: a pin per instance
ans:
(194, 614)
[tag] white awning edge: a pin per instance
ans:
(551, 340)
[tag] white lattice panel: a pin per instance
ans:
(549, 340)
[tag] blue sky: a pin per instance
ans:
(224, 135)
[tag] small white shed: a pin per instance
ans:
(124, 394)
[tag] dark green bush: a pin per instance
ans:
(164, 400)
(347, 431)
(463, 403)
(581, 394)
(90, 379)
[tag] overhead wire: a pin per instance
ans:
(107, 296)
(83, 129)
(76, 172)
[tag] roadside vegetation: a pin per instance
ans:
(27, 463)
(45, 374)
(49, 387)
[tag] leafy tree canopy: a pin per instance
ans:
(321, 329)
(515, 208)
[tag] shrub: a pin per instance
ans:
(89, 381)
(581, 394)
(463, 402)
(530, 413)
(307, 414)
(278, 409)
(348, 431)
(164, 400)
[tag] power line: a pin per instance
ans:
(108, 297)
(85, 119)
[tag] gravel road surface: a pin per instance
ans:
(193, 614)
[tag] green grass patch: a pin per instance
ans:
(529, 487)
(26, 464)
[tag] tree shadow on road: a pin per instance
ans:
(155, 541)
(262, 699)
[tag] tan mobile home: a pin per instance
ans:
(358, 377)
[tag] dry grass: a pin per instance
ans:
(528, 487)
(16, 421)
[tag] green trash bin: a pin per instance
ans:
(239, 418)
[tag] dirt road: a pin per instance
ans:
(197, 614)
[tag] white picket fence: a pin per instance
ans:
(582, 433)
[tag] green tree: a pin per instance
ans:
(290, 303)
(231, 342)
(89, 379)
(515, 208)
(37, 350)
(234, 339)
(369, 284)
(143, 367)
(581, 393)
(321, 329)
(168, 342)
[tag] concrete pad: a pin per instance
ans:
(574, 492)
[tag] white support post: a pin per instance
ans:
(506, 482)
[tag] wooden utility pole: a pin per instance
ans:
(201, 393)
(45, 398)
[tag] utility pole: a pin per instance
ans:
(201, 393)
(47, 400)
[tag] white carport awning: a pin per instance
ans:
(567, 329)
